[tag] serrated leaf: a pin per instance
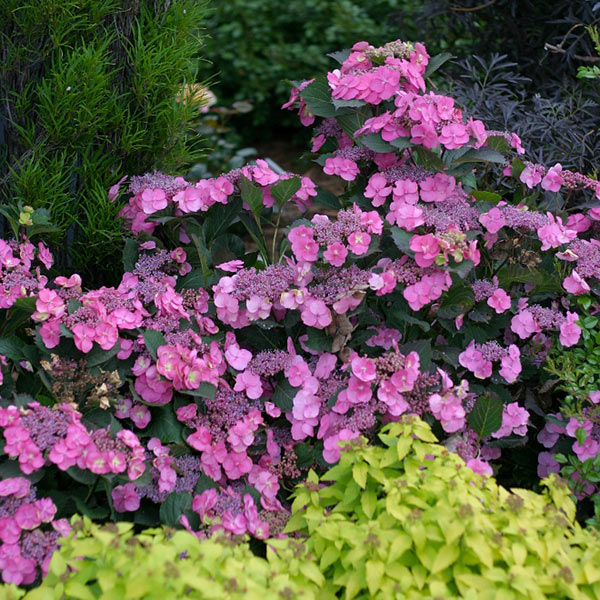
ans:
(251, 195)
(130, 254)
(327, 199)
(193, 280)
(340, 55)
(206, 390)
(486, 416)
(347, 103)
(283, 396)
(153, 340)
(484, 196)
(482, 154)
(173, 506)
(435, 62)
(220, 217)
(428, 159)
(542, 281)
(422, 348)
(317, 96)
(318, 340)
(96, 356)
(402, 239)
(458, 300)
(374, 142)
(12, 347)
(401, 143)
(164, 425)
(285, 189)
(351, 123)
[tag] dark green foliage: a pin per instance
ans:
(255, 45)
(89, 91)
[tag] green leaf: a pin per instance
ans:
(401, 143)
(305, 455)
(483, 154)
(350, 123)
(153, 340)
(254, 231)
(193, 280)
(251, 195)
(220, 217)
(402, 239)
(435, 62)
(374, 142)
(428, 159)
(96, 356)
(318, 340)
(422, 348)
(206, 390)
(317, 96)
(175, 505)
(483, 196)
(164, 425)
(285, 189)
(327, 199)
(341, 55)
(542, 281)
(458, 300)
(347, 103)
(284, 394)
(486, 416)
(130, 254)
(12, 347)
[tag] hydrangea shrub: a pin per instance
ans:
(241, 346)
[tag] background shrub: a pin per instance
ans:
(88, 93)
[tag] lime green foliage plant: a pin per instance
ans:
(112, 563)
(408, 520)
(90, 90)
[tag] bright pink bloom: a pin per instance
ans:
(315, 313)
(575, 284)
(344, 167)
(570, 332)
(510, 365)
(358, 242)
(377, 189)
(336, 254)
(499, 301)
(523, 324)
(480, 466)
(493, 220)
(426, 249)
(553, 179)
(152, 201)
(363, 368)
(125, 498)
(248, 382)
(514, 421)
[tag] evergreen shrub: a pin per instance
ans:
(89, 92)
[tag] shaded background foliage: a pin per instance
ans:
(88, 93)
(520, 74)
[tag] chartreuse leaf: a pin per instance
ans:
(375, 570)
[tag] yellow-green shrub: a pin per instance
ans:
(406, 519)
(410, 520)
(111, 563)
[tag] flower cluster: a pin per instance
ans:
(26, 547)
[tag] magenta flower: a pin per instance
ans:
(125, 498)
(336, 254)
(570, 332)
(575, 284)
(248, 382)
(499, 301)
(553, 179)
(315, 313)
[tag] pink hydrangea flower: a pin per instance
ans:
(125, 498)
(336, 254)
(315, 313)
(331, 444)
(514, 421)
(575, 284)
(344, 167)
(499, 301)
(426, 248)
(480, 466)
(358, 242)
(493, 220)
(248, 382)
(553, 179)
(570, 332)
(524, 325)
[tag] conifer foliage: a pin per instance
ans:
(89, 91)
